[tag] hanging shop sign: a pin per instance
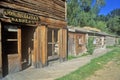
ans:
(21, 17)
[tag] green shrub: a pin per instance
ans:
(90, 45)
(119, 41)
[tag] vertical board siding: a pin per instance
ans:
(19, 47)
(0, 50)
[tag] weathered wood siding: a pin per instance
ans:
(13, 63)
(62, 34)
(110, 41)
(0, 50)
(99, 41)
(71, 44)
(80, 43)
(32, 19)
(76, 43)
(48, 8)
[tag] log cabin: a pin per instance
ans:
(78, 40)
(32, 33)
(99, 40)
(98, 36)
(112, 40)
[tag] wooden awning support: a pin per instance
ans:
(63, 44)
(0, 47)
(19, 37)
(40, 47)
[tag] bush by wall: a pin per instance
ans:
(90, 45)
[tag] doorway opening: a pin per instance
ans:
(27, 42)
(10, 57)
(17, 47)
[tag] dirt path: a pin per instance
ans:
(55, 71)
(111, 71)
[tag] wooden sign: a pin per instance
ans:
(21, 17)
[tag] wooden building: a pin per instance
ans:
(99, 39)
(76, 41)
(32, 33)
(112, 40)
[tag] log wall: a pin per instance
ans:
(47, 8)
(0, 50)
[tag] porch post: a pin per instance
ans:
(40, 47)
(43, 45)
(36, 55)
(34, 59)
(19, 46)
(0, 49)
(62, 44)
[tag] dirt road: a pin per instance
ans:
(111, 71)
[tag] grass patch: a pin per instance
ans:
(70, 57)
(87, 70)
(110, 47)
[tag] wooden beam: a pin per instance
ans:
(51, 12)
(60, 44)
(0, 49)
(65, 10)
(64, 36)
(53, 42)
(40, 47)
(35, 50)
(19, 36)
(53, 23)
(43, 45)
(63, 44)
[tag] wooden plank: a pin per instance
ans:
(65, 43)
(43, 45)
(60, 44)
(35, 49)
(49, 5)
(51, 11)
(19, 36)
(65, 10)
(59, 2)
(53, 23)
(53, 42)
(0, 50)
(40, 47)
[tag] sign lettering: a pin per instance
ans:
(21, 17)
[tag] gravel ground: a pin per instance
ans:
(55, 71)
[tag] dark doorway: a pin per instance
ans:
(27, 46)
(12, 61)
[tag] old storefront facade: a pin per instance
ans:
(32, 33)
